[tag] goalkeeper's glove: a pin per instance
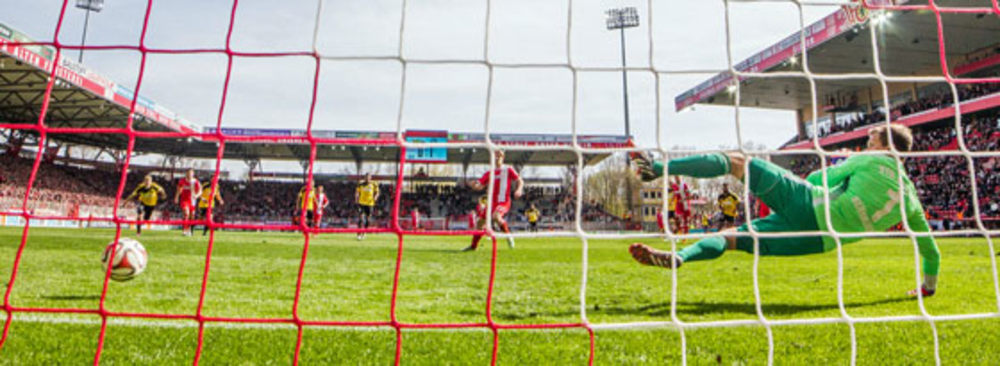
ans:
(923, 292)
(644, 166)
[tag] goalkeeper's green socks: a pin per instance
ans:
(707, 248)
(698, 166)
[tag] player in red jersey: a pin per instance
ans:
(321, 202)
(415, 218)
(762, 209)
(505, 182)
(679, 197)
(188, 191)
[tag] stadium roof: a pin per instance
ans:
(82, 98)
(841, 44)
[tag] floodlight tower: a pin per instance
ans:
(621, 18)
(89, 6)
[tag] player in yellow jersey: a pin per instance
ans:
(307, 201)
(533, 215)
(729, 204)
(206, 201)
(148, 194)
(366, 194)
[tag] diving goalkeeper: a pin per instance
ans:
(864, 197)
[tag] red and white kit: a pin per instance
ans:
(680, 196)
(503, 181)
(190, 191)
(321, 202)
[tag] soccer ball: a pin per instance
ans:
(129, 261)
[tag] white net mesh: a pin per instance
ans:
(735, 72)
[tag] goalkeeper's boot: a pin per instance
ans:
(652, 257)
(510, 242)
(923, 292)
(469, 249)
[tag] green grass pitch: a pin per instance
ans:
(253, 275)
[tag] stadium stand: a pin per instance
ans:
(934, 101)
(63, 189)
(58, 189)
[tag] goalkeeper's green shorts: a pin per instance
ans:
(791, 201)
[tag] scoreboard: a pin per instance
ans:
(427, 154)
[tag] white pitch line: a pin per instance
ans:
(156, 323)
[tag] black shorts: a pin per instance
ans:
(366, 210)
(203, 212)
(728, 219)
(298, 215)
(144, 211)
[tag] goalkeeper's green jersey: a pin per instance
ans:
(865, 197)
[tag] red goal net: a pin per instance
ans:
(401, 225)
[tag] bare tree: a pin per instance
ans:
(608, 186)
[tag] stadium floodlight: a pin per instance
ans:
(90, 6)
(881, 16)
(621, 18)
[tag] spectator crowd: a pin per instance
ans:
(927, 103)
(943, 182)
(62, 190)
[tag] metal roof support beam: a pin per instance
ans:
(119, 157)
(358, 159)
(305, 169)
(173, 160)
(591, 159)
(800, 124)
(466, 160)
(36, 99)
(20, 76)
(22, 100)
(253, 164)
(520, 163)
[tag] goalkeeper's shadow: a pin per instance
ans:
(687, 309)
(690, 308)
(70, 297)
